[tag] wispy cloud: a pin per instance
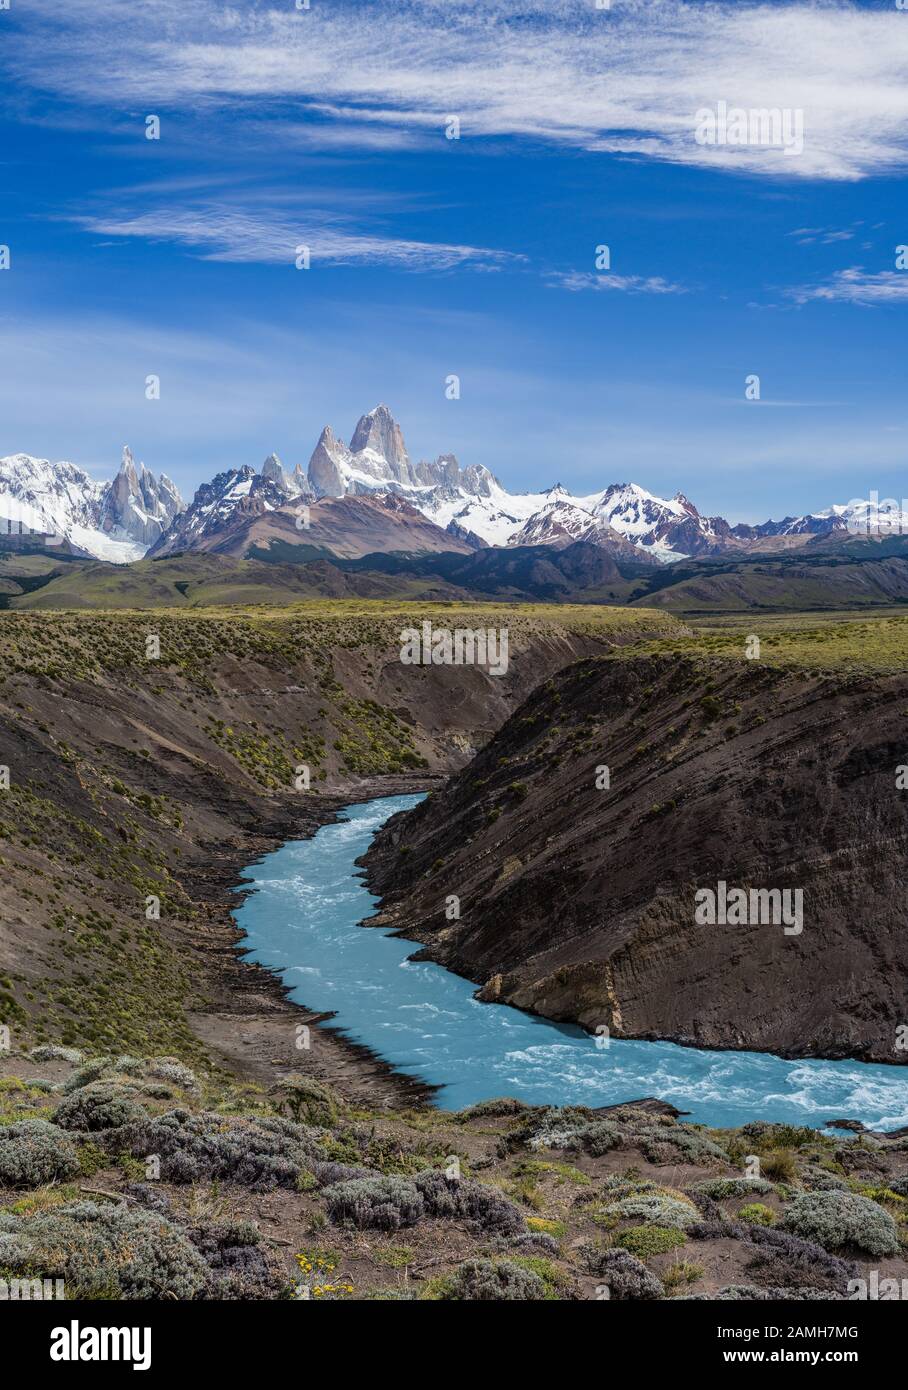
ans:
(626, 80)
(825, 236)
(579, 280)
(225, 233)
(857, 286)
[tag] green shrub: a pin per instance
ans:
(680, 1274)
(780, 1165)
(757, 1214)
(649, 1240)
(33, 1152)
(306, 1101)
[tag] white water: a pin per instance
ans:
(302, 920)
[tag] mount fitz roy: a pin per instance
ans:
(391, 503)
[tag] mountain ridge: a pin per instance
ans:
(137, 514)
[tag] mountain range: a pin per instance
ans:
(369, 493)
(116, 521)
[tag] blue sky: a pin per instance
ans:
(475, 257)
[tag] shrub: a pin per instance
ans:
(381, 1203)
(545, 1226)
(127, 1065)
(494, 1281)
(838, 1220)
(263, 1153)
(757, 1214)
(573, 1128)
(306, 1101)
(540, 1241)
(649, 1240)
(596, 1138)
(679, 1274)
(767, 1135)
(103, 1252)
(658, 1208)
(674, 1144)
(50, 1052)
(472, 1201)
(493, 1109)
(99, 1105)
(817, 1179)
(172, 1069)
(780, 1165)
(240, 1268)
(89, 1071)
(717, 1188)
(626, 1277)
(35, 1152)
(785, 1260)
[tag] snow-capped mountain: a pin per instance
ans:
(668, 530)
(116, 520)
(472, 504)
(229, 500)
(138, 513)
(871, 516)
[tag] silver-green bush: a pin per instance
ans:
(838, 1220)
(494, 1281)
(110, 1251)
(381, 1203)
(99, 1105)
(33, 1152)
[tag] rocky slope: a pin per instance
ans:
(346, 527)
(133, 775)
(577, 901)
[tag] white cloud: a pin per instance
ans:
(626, 80)
(226, 233)
(577, 280)
(856, 286)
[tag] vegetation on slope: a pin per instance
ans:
(143, 1178)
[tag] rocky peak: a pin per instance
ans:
(380, 433)
(138, 506)
(273, 472)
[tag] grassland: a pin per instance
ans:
(851, 643)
